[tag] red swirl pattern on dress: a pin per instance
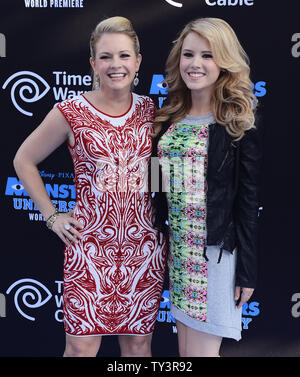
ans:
(113, 278)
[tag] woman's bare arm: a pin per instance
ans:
(48, 136)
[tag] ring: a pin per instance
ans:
(67, 226)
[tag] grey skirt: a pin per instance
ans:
(223, 317)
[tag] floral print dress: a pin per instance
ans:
(182, 151)
(201, 286)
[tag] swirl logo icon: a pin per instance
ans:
(29, 289)
(27, 87)
(174, 3)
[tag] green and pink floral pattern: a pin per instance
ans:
(182, 153)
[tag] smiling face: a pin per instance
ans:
(197, 66)
(115, 61)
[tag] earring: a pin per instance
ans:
(136, 79)
(97, 83)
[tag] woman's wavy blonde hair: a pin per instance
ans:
(233, 102)
(115, 24)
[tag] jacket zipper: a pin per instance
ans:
(223, 162)
(205, 240)
(226, 155)
(221, 243)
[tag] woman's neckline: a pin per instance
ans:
(109, 115)
(209, 117)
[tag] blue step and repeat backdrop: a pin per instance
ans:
(44, 49)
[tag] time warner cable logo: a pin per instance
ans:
(222, 3)
(27, 87)
(174, 3)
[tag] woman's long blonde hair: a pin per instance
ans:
(233, 102)
(115, 24)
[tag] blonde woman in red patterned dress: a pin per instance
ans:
(114, 266)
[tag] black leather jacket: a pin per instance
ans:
(233, 179)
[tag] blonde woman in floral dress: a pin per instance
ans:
(209, 153)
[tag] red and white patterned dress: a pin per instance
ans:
(113, 278)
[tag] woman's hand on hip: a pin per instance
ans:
(243, 295)
(66, 227)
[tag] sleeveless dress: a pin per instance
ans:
(113, 277)
(201, 286)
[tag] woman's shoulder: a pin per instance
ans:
(142, 98)
(70, 101)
